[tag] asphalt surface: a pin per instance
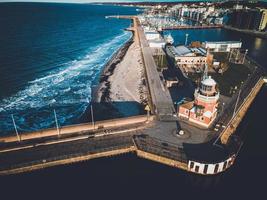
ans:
(160, 95)
(58, 151)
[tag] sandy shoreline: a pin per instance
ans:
(102, 93)
(122, 90)
(123, 81)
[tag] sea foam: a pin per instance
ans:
(66, 89)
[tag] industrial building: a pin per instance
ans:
(252, 19)
(187, 56)
(154, 39)
(222, 46)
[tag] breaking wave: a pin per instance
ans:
(66, 89)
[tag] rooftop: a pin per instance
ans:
(223, 42)
(187, 51)
(209, 81)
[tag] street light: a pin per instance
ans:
(92, 116)
(55, 114)
(15, 126)
(237, 100)
(246, 52)
(223, 106)
(186, 38)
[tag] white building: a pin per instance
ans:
(218, 20)
(159, 43)
(225, 46)
(154, 39)
(152, 35)
(187, 56)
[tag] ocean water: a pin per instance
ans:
(51, 55)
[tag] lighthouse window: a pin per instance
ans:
(206, 88)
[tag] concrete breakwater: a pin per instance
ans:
(39, 157)
(233, 124)
(79, 128)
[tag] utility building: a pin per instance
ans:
(224, 46)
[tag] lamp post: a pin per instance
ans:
(186, 38)
(237, 55)
(230, 56)
(223, 106)
(55, 115)
(92, 116)
(237, 100)
(16, 130)
(246, 52)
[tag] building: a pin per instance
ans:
(203, 110)
(245, 18)
(222, 46)
(152, 35)
(238, 7)
(187, 56)
(154, 39)
(170, 81)
(263, 21)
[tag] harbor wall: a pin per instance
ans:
(79, 128)
(210, 168)
(69, 160)
(235, 121)
(162, 160)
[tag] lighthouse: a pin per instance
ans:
(203, 110)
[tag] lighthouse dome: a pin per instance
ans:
(208, 82)
(208, 86)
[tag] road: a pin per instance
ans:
(160, 96)
(60, 151)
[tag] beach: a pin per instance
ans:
(123, 80)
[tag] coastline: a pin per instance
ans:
(121, 91)
(102, 92)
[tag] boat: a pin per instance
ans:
(169, 39)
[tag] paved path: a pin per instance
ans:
(160, 96)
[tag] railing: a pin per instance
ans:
(124, 144)
(160, 148)
(238, 98)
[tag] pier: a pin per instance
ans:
(161, 99)
(151, 137)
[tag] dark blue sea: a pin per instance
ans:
(126, 176)
(51, 55)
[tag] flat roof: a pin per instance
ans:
(223, 42)
(184, 50)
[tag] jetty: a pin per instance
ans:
(152, 137)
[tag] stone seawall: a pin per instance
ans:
(78, 128)
(44, 164)
(233, 124)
